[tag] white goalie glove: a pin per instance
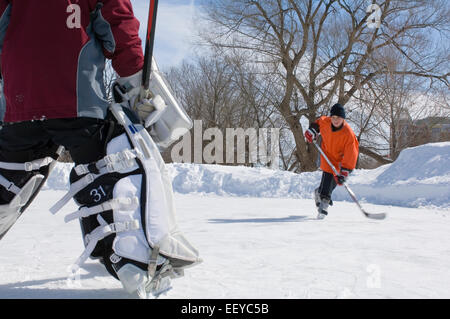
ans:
(141, 101)
(158, 109)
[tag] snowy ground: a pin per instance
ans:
(252, 248)
(256, 232)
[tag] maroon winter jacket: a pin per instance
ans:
(53, 55)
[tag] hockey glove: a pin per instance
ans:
(141, 101)
(342, 177)
(311, 135)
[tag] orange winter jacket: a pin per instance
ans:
(341, 146)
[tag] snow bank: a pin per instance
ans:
(241, 181)
(419, 177)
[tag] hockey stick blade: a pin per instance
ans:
(378, 216)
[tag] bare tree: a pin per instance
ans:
(388, 110)
(364, 117)
(223, 93)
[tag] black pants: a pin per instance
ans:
(327, 185)
(84, 138)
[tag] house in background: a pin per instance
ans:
(418, 132)
(438, 128)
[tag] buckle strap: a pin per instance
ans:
(10, 186)
(152, 264)
(160, 281)
(74, 188)
(27, 166)
(124, 203)
(119, 166)
(110, 163)
(101, 232)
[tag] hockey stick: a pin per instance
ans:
(149, 43)
(352, 195)
(118, 90)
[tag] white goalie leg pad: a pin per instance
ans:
(142, 207)
(158, 213)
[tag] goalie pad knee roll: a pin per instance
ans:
(127, 211)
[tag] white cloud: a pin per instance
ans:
(174, 29)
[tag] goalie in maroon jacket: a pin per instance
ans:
(52, 64)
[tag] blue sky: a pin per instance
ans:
(174, 29)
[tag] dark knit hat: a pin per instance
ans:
(338, 110)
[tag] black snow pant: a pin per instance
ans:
(84, 138)
(327, 186)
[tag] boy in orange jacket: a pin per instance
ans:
(340, 145)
